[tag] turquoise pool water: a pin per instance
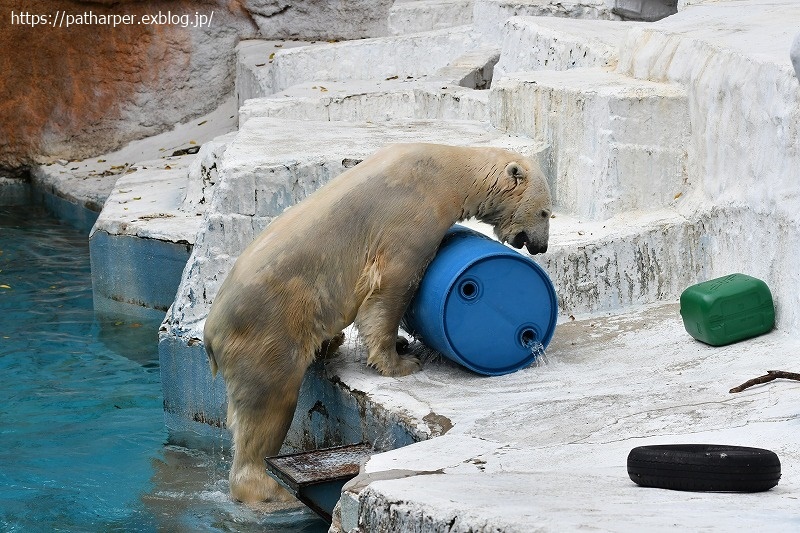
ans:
(82, 440)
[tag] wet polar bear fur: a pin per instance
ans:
(353, 251)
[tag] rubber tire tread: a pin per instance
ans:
(704, 467)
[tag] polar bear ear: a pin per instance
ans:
(516, 171)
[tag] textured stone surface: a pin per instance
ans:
(413, 16)
(399, 57)
(254, 66)
(473, 70)
(314, 19)
(745, 103)
(79, 91)
(490, 15)
(553, 43)
(617, 144)
(353, 101)
(360, 101)
(551, 450)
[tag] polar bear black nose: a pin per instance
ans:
(533, 250)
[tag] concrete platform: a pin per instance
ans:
(141, 241)
(551, 455)
(364, 80)
(354, 101)
(733, 58)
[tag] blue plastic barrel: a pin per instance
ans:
(483, 305)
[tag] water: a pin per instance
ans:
(82, 440)
(538, 352)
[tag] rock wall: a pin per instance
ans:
(75, 84)
(85, 77)
(320, 19)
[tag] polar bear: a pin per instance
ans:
(353, 251)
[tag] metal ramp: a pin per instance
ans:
(316, 477)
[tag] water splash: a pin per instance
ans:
(538, 352)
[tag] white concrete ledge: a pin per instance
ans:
(413, 16)
(147, 204)
(413, 55)
(490, 15)
(473, 70)
(352, 101)
(254, 59)
(552, 43)
(745, 98)
(618, 143)
(371, 101)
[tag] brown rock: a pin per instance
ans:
(78, 91)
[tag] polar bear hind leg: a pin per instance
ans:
(259, 428)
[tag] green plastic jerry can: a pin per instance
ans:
(727, 309)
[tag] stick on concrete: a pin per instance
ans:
(771, 375)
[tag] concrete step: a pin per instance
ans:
(634, 258)
(254, 59)
(355, 100)
(414, 16)
(745, 97)
(489, 16)
(448, 93)
(141, 241)
(617, 143)
(267, 67)
(473, 70)
(273, 163)
(553, 43)
(376, 101)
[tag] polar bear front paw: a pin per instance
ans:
(395, 365)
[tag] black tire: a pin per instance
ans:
(704, 467)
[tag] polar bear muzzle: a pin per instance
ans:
(521, 239)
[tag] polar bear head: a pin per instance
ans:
(518, 204)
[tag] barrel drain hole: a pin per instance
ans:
(468, 290)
